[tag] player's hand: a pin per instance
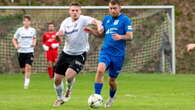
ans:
(17, 47)
(116, 37)
(190, 47)
(33, 45)
(45, 47)
(59, 33)
(88, 29)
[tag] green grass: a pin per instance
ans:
(136, 92)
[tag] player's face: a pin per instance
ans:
(75, 12)
(51, 27)
(26, 22)
(114, 10)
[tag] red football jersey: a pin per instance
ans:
(49, 38)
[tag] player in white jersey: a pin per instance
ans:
(24, 41)
(71, 61)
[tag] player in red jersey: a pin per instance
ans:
(50, 46)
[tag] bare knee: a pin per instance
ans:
(58, 79)
(101, 69)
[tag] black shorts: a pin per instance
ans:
(25, 58)
(65, 61)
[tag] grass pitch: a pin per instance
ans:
(135, 92)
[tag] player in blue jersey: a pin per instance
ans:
(117, 28)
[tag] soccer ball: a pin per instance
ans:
(95, 101)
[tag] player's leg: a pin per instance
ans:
(114, 71)
(21, 62)
(61, 67)
(23, 70)
(104, 62)
(27, 75)
(28, 59)
(70, 79)
(50, 69)
(50, 65)
(75, 67)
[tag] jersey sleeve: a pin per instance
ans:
(104, 22)
(16, 35)
(62, 26)
(88, 20)
(128, 25)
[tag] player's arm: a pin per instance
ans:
(127, 36)
(34, 42)
(128, 31)
(14, 41)
(45, 47)
(190, 47)
(93, 32)
(34, 39)
(97, 23)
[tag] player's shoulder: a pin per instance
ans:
(107, 17)
(20, 29)
(66, 20)
(125, 17)
(32, 29)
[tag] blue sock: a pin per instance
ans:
(112, 93)
(98, 88)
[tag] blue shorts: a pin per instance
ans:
(113, 64)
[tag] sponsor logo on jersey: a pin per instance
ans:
(116, 22)
(73, 31)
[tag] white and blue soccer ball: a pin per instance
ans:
(95, 101)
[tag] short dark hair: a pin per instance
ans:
(51, 23)
(75, 4)
(27, 17)
(115, 2)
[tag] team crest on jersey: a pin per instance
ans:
(116, 22)
(108, 21)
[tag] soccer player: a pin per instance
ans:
(73, 57)
(24, 41)
(50, 46)
(117, 28)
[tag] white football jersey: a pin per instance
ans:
(76, 40)
(25, 38)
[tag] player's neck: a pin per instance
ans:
(75, 19)
(26, 27)
(117, 15)
(51, 31)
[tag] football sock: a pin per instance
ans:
(59, 90)
(112, 93)
(26, 81)
(69, 84)
(98, 88)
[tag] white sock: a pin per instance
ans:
(26, 81)
(70, 84)
(59, 90)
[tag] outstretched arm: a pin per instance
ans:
(93, 32)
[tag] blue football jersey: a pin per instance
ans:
(119, 25)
